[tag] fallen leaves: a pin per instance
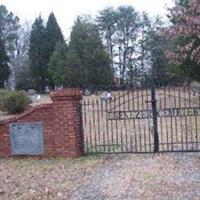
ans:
(149, 177)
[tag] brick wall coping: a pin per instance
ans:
(66, 94)
(27, 112)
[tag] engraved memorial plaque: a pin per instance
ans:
(26, 138)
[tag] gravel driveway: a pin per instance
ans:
(147, 177)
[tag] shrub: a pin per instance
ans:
(15, 102)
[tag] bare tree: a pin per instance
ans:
(19, 57)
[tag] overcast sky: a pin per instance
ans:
(67, 10)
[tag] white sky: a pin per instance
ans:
(67, 10)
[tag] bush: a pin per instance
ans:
(14, 101)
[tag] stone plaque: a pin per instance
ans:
(26, 138)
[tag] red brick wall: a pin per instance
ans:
(61, 125)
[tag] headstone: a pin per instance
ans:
(31, 92)
(106, 96)
(26, 138)
(33, 95)
(47, 90)
(87, 92)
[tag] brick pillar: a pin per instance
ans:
(67, 123)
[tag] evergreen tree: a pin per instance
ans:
(9, 29)
(53, 35)
(38, 55)
(9, 26)
(4, 68)
(58, 66)
(87, 57)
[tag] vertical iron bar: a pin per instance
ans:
(107, 130)
(130, 130)
(161, 123)
(98, 124)
(171, 123)
(166, 120)
(103, 117)
(94, 127)
(134, 121)
(155, 123)
(175, 117)
(121, 135)
(144, 108)
(84, 127)
(191, 124)
(90, 125)
(116, 123)
(149, 118)
(196, 130)
(125, 104)
(181, 120)
(112, 138)
(186, 129)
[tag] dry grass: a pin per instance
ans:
(113, 177)
(42, 179)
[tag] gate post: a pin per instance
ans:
(155, 121)
(67, 123)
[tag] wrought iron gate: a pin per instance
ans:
(142, 121)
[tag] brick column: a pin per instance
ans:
(67, 123)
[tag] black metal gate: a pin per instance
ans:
(142, 121)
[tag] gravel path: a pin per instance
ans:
(139, 177)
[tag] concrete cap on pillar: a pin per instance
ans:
(66, 94)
